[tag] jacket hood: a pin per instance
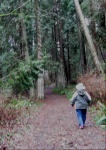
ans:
(81, 92)
(80, 86)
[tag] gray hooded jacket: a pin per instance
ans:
(81, 99)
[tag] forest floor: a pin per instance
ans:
(55, 126)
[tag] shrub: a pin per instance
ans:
(11, 110)
(95, 86)
(8, 116)
(100, 112)
(22, 78)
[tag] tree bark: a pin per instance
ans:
(55, 40)
(68, 60)
(82, 47)
(61, 45)
(40, 82)
(88, 37)
(24, 35)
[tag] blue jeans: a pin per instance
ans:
(81, 115)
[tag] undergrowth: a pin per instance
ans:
(99, 114)
(12, 110)
(13, 114)
(68, 91)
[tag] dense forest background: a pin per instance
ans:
(44, 41)
(51, 45)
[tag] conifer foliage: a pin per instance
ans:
(28, 34)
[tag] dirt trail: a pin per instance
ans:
(55, 127)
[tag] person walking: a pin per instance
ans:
(81, 100)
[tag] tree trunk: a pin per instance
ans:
(25, 45)
(82, 48)
(93, 30)
(61, 46)
(54, 51)
(55, 41)
(24, 35)
(40, 82)
(68, 60)
(88, 37)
